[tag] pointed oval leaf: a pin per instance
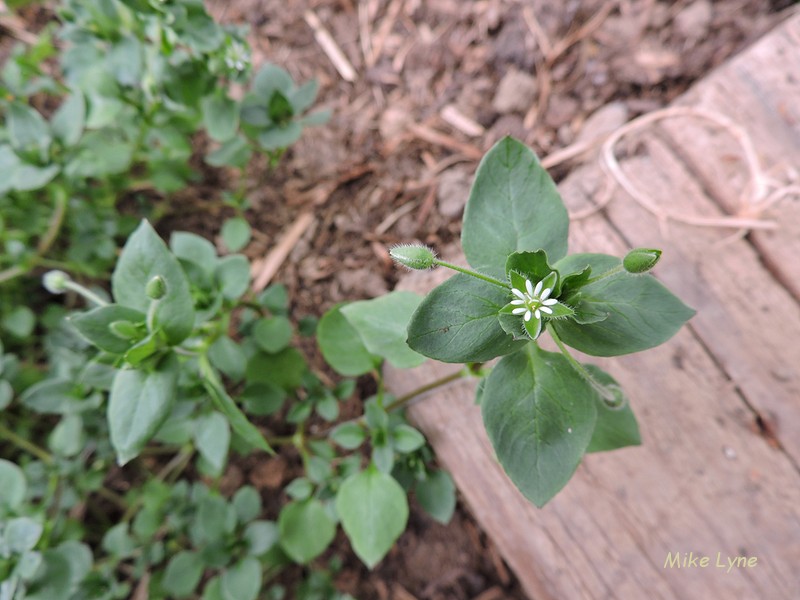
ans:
(615, 428)
(144, 256)
(94, 326)
(382, 323)
(457, 322)
(540, 415)
(640, 312)
(514, 205)
(374, 510)
(306, 529)
(139, 403)
(342, 346)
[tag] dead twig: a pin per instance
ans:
(442, 139)
(264, 271)
(329, 46)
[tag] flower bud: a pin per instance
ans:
(156, 288)
(641, 260)
(55, 282)
(413, 256)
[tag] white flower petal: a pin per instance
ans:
(545, 294)
(527, 316)
(519, 311)
(516, 292)
(537, 313)
(517, 302)
(529, 287)
(550, 302)
(545, 310)
(537, 290)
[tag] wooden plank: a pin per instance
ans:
(760, 91)
(705, 480)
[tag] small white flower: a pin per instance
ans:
(533, 301)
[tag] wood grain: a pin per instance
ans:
(719, 404)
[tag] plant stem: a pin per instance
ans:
(601, 389)
(618, 269)
(112, 497)
(406, 398)
(53, 228)
(85, 292)
(402, 400)
(471, 273)
(26, 445)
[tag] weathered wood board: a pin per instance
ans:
(718, 473)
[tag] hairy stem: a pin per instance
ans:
(601, 389)
(471, 273)
(618, 269)
(26, 445)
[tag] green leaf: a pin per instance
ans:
(6, 391)
(349, 435)
(233, 275)
(118, 542)
(139, 403)
(382, 323)
(261, 536)
(220, 116)
(144, 256)
(195, 249)
(26, 127)
(22, 534)
(228, 356)
(235, 152)
(52, 580)
(278, 137)
(534, 266)
(212, 436)
(306, 530)
(68, 439)
(374, 510)
(540, 415)
(9, 164)
(514, 205)
(225, 404)
(124, 60)
(299, 489)
(279, 109)
(94, 326)
(99, 154)
(242, 581)
(247, 502)
(615, 427)
(214, 519)
(50, 396)
(640, 312)
(271, 78)
(235, 233)
(341, 345)
(183, 573)
(406, 439)
(272, 334)
(69, 119)
(457, 322)
(303, 97)
(437, 495)
(262, 398)
(30, 177)
(19, 322)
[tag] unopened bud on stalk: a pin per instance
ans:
(413, 256)
(641, 260)
(156, 288)
(55, 282)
